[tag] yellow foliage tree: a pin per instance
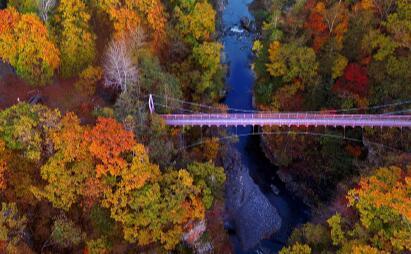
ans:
(25, 44)
(198, 24)
(75, 38)
(88, 80)
(153, 207)
(67, 170)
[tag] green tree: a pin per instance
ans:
(12, 225)
(317, 236)
(399, 23)
(98, 246)
(210, 179)
(207, 56)
(382, 44)
(24, 6)
(290, 61)
(337, 234)
(296, 249)
(65, 233)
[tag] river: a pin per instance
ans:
(240, 80)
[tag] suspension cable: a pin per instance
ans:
(398, 103)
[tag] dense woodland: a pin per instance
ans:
(86, 174)
(343, 57)
(89, 170)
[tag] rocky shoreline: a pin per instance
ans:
(249, 213)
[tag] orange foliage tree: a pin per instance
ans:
(125, 21)
(25, 44)
(325, 21)
(128, 15)
(108, 140)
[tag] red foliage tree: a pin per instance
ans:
(355, 81)
(316, 23)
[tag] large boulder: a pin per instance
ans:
(247, 24)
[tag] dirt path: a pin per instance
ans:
(60, 94)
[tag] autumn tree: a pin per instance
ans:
(70, 166)
(108, 141)
(23, 126)
(25, 44)
(154, 14)
(382, 45)
(328, 18)
(196, 22)
(98, 246)
(340, 63)
(88, 80)
(74, 36)
(132, 13)
(153, 207)
(384, 7)
(291, 61)
(317, 24)
(354, 83)
(383, 204)
(386, 190)
(125, 21)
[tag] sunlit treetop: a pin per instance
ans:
(26, 45)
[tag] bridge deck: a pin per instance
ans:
(288, 119)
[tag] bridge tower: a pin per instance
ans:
(151, 104)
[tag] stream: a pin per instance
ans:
(258, 207)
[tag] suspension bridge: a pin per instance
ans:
(292, 119)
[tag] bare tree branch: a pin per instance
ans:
(384, 7)
(119, 71)
(45, 6)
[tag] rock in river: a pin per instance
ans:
(253, 215)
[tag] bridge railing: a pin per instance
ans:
(289, 119)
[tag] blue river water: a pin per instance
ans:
(240, 80)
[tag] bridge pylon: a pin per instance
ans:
(151, 104)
